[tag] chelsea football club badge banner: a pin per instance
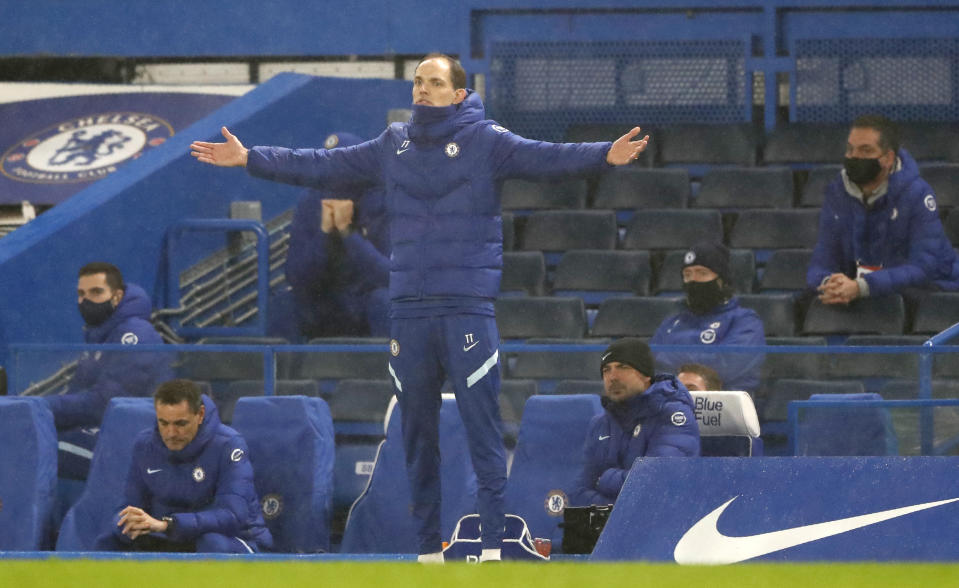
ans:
(731, 510)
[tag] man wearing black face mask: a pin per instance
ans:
(879, 229)
(114, 313)
(712, 317)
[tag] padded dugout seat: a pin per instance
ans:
(633, 317)
(520, 195)
(547, 316)
(295, 493)
(846, 431)
(524, 273)
(786, 390)
(28, 475)
(767, 187)
(226, 400)
(728, 424)
(547, 460)
(742, 269)
(103, 494)
(597, 275)
(672, 229)
(775, 229)
(380, 519)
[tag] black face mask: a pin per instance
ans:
(95, 313)
(701, 297)
(861, 170)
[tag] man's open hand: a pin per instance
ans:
(229, 154)
(625, 150)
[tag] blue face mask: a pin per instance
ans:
(95, 313)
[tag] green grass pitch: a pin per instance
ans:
(237, 574)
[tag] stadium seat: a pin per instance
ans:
(509, 232)
(786, 390)
(562, 230)
(295, 493)
(226, 400)
(522, 318)
(600, 132)
(873, 365)
(936, 312)
(805, 144)
(633, 317)
(775, 229)
(552, 366)
(734, 144)
(944, 179)
(786, 271)
(524, 272)
(361, 400)
(565, 387)
(929, 141)
(672, 229)
(846, 431)
(337, 365)
(884, 316)
(777, 311)
(814, 189)
(629, 188)
(596, 275)
(547, 461)
(523, 195)
(728, 424)
(767, 187)
(513, 395)
(102, 497)
(28, 476)
(742, 267)
(951, 225)
(380, 519)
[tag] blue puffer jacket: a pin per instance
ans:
(900, 232)
(102, 375)
(727, 324)
(442, 172)
(658, 423)
(206, 487)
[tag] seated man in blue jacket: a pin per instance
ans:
(114, 313)
(879, 229)
(645, 416)
(712, 317)
(190, 484)
(338, 265)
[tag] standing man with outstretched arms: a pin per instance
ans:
(441, 172)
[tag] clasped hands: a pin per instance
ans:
(838, 289)
(135, 522)
(337, 213)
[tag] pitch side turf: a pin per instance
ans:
(237, 574)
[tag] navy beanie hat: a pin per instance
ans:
(714, 256)
(632, 352)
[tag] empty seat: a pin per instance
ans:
(600, 132)
(789, 363)
(847, 430)
(557, 317)
(226, 400)
(909, 389)
(339, 364)
(596, 275)
(672, 229)
(562, 230)
(786, 390)
(814, 190)
(633, 317)
(769, 187)
(929, 141)
(775, 229)
(742, 269)
(509, 232)
(296, 494)
(554, 365)
(361, 400)
(951, 226)
(777, 311)
(547, 461)
(380, 520)
(874, 365)
(518, 194)
(728, 424)
(708, 144)
(805, 144)
(786, 270)
(936, 312)
(594, 386)
(513, 395)
(629, 188)
(524, 272)
(28, 474)
(944, 179)
(884, 316)
(103, 495)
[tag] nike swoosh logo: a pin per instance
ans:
(704, 544)
(402, 151)
(468, 347)
(603, 437)
(149, 471)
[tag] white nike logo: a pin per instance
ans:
(603, 437)
(468, 347)
(149, 471)
(704, 544)
(402, 151)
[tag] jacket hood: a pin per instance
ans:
(135, 304)
(433, 124)
(662, 389)
(208, 428)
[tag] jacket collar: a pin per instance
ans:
(434, 124)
